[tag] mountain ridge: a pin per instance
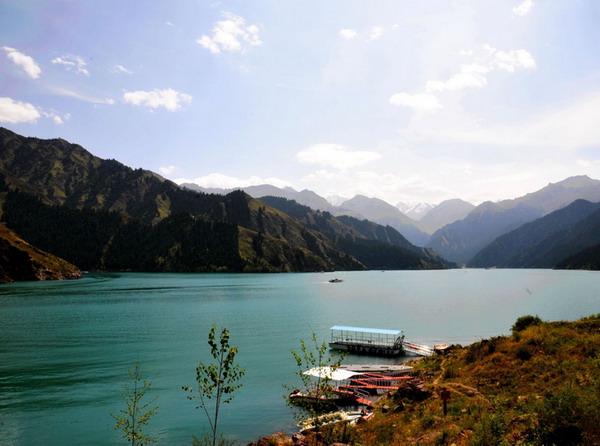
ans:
(461, 240)
(517, 248)
(71, 184)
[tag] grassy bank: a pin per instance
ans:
(538, 386)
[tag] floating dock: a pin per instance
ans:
(373, 341)
(377, 341)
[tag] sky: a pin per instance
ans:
(403, 100)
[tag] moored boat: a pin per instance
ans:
(335, 417)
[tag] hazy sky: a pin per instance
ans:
(420, 100)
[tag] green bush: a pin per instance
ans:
(525, 321)
(427, 421)
(523, 353)
(560, 419)
(489, 431)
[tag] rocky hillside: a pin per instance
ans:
(21, 261)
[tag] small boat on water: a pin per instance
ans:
(336, 280)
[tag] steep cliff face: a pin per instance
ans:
(21, 261)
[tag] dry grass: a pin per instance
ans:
(539, 386)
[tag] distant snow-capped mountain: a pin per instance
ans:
(336, 200)
(416, 211)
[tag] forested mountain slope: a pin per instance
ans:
(101, 214)
(377, 246)
(524, 246)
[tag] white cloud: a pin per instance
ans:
(335, 155)
(348, 33)
(168, 98)
(523, 8)
(168, 170)
(474, 75)
(72, 63)
(376, 32)
(390, 187)
(218, 180)
(232, 35)
(15, 112)
(26, 63)
(56, 118)
(122, 69)
(469, 76)
(82, 97)
(562, 129)
(422, 102)
(510, 60)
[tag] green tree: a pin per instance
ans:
(216, 382)
(132, 419)
(319, 388)
(525, 321)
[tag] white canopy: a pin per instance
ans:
(330, 373)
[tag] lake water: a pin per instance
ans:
(65, 346)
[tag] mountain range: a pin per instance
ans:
(100, 214)
(416, 211)
(462, 240)
(416, 223)
(462, 232)
(545, 242)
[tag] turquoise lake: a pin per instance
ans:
(65, 346)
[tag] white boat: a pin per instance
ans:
(335, 417)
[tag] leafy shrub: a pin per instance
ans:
(525, 321)
(560, 419)
(427, 421)
(489, 431)
(442, 439)
(385, 434)
(481, 349)
(523, 353)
